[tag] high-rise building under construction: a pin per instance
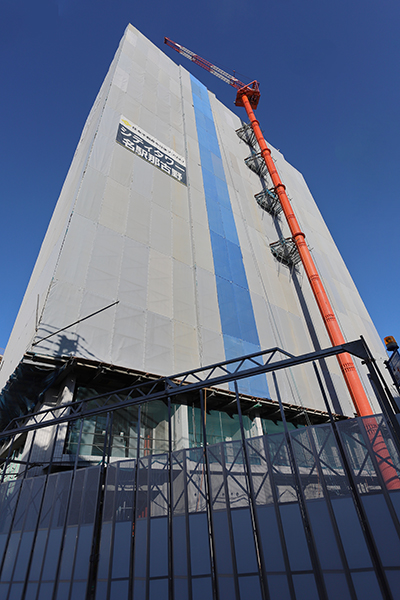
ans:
(140, 471)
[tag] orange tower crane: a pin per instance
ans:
(248, 96)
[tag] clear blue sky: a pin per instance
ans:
(329, 74)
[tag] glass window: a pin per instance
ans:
(124, 427)
(154, 428)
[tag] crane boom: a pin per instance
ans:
(202, 62)
(251, 89)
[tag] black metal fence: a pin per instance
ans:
(303, 514)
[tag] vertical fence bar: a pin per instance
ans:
(302, 503)
(229, 519)
(94, 556)
(38, 521)
(187, 529)
(170, 507)
(332, 517)
(208, 498)
(135, 489)
(253, 510)
(279, 522)
(375, 558)
(17, 500)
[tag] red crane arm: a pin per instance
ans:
(251, 90)
(202, 62)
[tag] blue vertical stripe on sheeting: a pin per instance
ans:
(238, 324)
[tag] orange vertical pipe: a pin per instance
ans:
(354, 385)
(350, 374)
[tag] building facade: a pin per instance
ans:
(141, 471)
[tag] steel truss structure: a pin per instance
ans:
(225, 372)
(304, 513)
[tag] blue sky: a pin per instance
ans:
(329, 74)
